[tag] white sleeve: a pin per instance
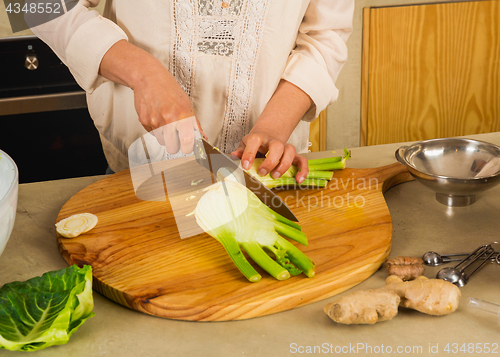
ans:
(320, 51)
(80, 38)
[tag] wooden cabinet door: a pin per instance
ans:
(430, 71)
(317, 133)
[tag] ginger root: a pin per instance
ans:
(430, 296)
(364, 307)
(407, 268)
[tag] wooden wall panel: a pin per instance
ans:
(365, 70)
(317, 133)
(433, 71)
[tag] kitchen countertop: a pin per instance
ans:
(420, 224)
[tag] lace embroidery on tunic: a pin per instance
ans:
(236, 120)
(229, 28)
(216, 37)
(217, 7)
(181, 54)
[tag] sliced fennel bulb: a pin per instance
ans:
(233, 215)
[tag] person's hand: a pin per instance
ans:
(279, 156)
(165, 110)
(161, 104)
(272, 130)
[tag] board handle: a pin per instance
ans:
(394, 174)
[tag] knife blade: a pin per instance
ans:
(212, 159)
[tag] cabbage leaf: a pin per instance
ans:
(46, 310)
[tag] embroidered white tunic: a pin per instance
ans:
(228, 55)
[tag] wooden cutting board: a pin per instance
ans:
(139, 261)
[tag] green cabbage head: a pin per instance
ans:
(46, 310)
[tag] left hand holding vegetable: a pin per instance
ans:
(273, 128)
(279, 156)
(320, 172)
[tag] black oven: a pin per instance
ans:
(44, 121)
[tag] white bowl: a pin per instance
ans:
(9, 182)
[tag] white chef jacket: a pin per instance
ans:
(228, 55)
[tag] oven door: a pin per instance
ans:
(44, 121)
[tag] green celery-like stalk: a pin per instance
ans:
(327, 160)
(313, 174)
(288, 181)
(328, 167)
(232, 248)
(280, 218)
(290, 232)
(318, 165)
(282, 259)
(323, 175)
(299, 259)
(259, 256)
(313, 182)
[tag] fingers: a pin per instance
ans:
(252, 146)
(171, 138)
(239, 152)
(279, 156)
(273, 158)
(178, 135)
(301, 163)
(158, 133)
(160, 106)
(185, 129)
(285, 162)
(144, 115)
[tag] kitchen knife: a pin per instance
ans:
(212, 159)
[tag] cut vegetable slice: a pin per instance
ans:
(75, 225)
